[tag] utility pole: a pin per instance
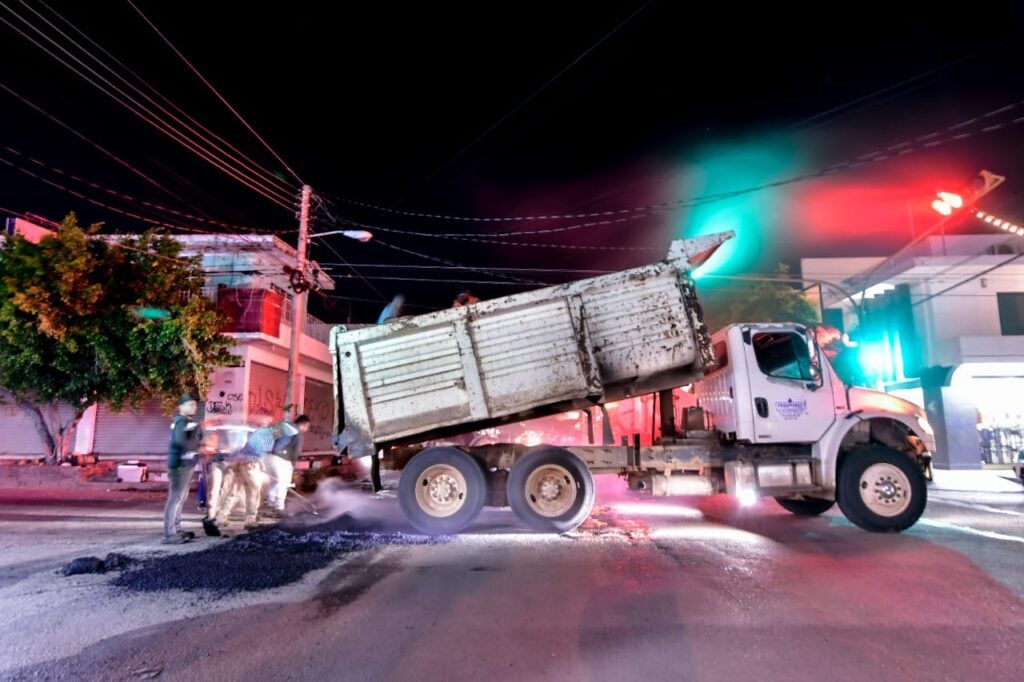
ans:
(292, 392)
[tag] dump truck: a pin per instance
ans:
(772, 418)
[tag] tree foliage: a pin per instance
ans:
(71, 332)
(766, 301)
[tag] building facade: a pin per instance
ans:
(247, 279)
(941, 325)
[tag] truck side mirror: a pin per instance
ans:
(814, 358)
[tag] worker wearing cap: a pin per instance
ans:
(186, 436)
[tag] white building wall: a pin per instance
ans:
(959, 328)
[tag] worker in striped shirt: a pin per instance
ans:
(248, 477)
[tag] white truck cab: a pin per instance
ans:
(772, 385)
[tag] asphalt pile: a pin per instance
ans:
(261, 560)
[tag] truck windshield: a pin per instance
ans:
(784, 355)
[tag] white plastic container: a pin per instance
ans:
(132, 472)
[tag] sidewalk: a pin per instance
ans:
(977, 481)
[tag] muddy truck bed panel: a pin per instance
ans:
(520, 356)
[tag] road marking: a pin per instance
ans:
(971, 531)
(979, 507)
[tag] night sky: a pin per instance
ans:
(511, 109)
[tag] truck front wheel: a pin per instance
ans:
(880, 489)
(442, 490)
(551, 490)
(807, 506)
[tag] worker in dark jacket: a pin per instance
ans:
(186, 437)
(280, 463)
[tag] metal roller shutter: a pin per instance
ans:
(319, 407)
(267, 389)
(19, 432)
(132, 434)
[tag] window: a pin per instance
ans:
(784, 355)
(1011, 313)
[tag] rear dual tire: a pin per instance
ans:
(442, 490)
(551, 490)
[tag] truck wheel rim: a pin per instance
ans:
(885, 489)
(550, 490)
(441, 490)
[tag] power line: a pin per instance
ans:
(247, 238)
(138, 109)
(215, 92)
(141, 111)
(523, 103)
(445, 261)
(490, 235)
(106, 239)
(392, 266)
(128, 197)
(83, 197)
(248, 164)
(342, 259)
(320, 206)
(453, 281)
(953, 133)
(490, 238)
(817, 119)
(972, 277)
(85, 139)
(324, 294)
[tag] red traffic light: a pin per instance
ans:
(977, 187)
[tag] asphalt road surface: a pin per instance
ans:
(647, 589)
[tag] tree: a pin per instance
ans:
(71, 332)
(766, 301)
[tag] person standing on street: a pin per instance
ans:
(280, 463)
(247, 473)
(186, 437)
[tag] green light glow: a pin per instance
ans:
(756, 217)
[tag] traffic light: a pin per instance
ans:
(946, 202)
(887, 344)
(977, 187)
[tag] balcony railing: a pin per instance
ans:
(262, 311)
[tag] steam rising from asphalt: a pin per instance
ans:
(349, 506)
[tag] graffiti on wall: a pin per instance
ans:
(319, 407)
(268, 399)
(224, 399)
(224, 403)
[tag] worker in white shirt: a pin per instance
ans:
(280, 463)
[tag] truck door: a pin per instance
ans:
(792, 395)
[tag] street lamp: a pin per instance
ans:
(299, 287)
(358, 235)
